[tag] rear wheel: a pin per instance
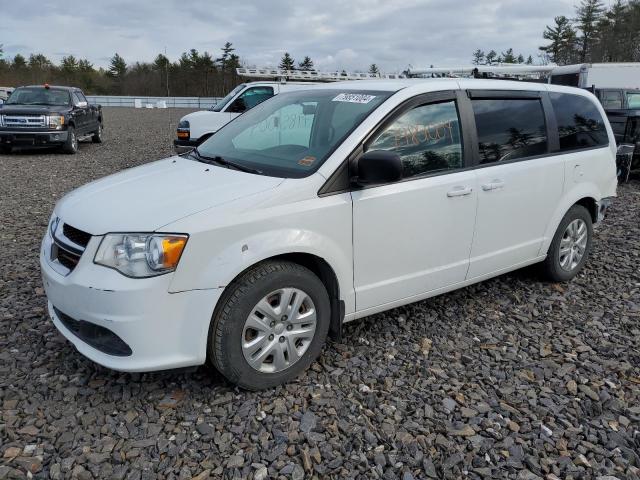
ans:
(270, 325)
(71, 145)
(97, 135)
(570, 246)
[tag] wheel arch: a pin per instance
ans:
(585, 195)
(322, 269)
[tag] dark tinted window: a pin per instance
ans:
(569, 79)
(509, 129)
(611, 99)
(250, 98)
(580, 124)
(427, 138)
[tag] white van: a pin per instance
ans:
(323, 206)
(196, 127)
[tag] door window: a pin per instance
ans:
(509, 129)
(580, 124)
(81, 96)
(427, 138)
(611, 99)
(250, 98)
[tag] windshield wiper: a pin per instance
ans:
(218, 159)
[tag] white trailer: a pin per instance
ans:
(598, 75)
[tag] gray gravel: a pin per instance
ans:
(511, 378)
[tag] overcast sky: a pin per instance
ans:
(336, 34)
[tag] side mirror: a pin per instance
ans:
(378, 166)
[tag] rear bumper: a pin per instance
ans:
(603, 206)
(16, 138)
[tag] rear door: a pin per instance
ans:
(414, 236)
(520, 184)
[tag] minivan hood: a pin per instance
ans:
(148, 197)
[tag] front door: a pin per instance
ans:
(415, 236)
(519, 184)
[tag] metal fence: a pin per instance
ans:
(171, 102)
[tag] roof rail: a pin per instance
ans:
(312, 75)
(469, 70)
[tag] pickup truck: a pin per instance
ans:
(48, 116)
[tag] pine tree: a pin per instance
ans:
(19, 61)
(529, 60)
(589, 14)
(287, 62)
(509, 56)
(373, 69)
(228, 59)
(478, 57)
(520, 59)
(306, 65)
(491, 57)
(117, 67)
(562, 37)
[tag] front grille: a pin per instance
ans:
(68, 246)
(98, 337)
(65, 257)
(25, 121)
(76, 236)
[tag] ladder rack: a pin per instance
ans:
(311, 75)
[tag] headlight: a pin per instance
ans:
(184, 124)
(141, 254)
(183, 130)
(55, 121)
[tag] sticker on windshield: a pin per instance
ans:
(307, 161)
(354, 98)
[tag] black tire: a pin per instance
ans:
(235, 305)
(97, 135)
(552, 268)
(71, 145)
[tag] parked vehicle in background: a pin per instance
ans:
(625, 124)
(597, 75)
(5, 92)
(319, 207)
(619, 98)
(46, 116)
(196, 127)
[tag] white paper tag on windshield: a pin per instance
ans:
(354, 98)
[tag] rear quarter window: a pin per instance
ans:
(580, 124)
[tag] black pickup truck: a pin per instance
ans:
(48, 116)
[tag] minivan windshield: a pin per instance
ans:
(39, 96)
(221, 104)
(292, 134)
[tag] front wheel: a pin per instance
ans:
(71, 145)
(97, 135)
(270, 325)
(570, 246)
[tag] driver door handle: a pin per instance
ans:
(459, 191)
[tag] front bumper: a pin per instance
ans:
(162, 330)
(17, 138)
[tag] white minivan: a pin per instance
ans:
(319, 207)
(194, 128)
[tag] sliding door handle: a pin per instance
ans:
(459, 192)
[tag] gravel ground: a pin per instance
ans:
(511, 378)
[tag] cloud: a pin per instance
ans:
(335, 34)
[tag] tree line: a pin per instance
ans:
(595, 34)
